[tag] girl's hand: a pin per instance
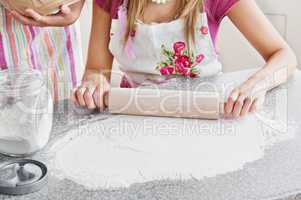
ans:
(95, 84)
(67, 15)
(243, 100)
(93, 91)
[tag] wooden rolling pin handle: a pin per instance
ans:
(106, 99)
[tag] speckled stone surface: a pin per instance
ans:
(276, 176)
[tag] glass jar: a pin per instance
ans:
(26, 110)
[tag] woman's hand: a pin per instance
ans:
(93, 91)
(67, 15)
(243, 100)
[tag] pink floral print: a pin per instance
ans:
(179, 61)
(204, 30)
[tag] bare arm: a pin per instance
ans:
(95, 83)
(99, 55)
(280, 60)
(68, 15)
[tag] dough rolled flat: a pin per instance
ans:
(164, 103)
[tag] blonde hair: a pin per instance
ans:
(187, 9)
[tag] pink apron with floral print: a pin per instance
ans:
(159, 51)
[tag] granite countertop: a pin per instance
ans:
(276, 176)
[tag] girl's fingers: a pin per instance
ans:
(97, 97)
(100, 96)
(238, 106)
(231, 102)
(246, 107)
(258, 103)
(253, 106)
(106, 99)
(74, 99)
(80, 95)
(88, 97)
(229, 106)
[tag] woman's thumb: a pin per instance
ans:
(65, 9)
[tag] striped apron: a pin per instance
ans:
(55, 51)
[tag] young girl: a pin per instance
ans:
(23, 44)
(154, 38)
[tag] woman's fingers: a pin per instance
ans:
(33, 18)
(66, 16)
(52, 20)
(34, 15)
(24, 20)
(65, 9)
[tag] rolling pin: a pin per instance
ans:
(164, 103)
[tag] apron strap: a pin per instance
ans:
(122, 18)
(125, 3)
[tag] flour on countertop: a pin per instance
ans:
(124, 150)
(127, 150)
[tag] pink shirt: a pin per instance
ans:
(216, 10)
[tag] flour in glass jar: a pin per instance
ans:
(25, 113)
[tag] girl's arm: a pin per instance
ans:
(99, 55)
(68, 15)
(280, 60)
(95, 83)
